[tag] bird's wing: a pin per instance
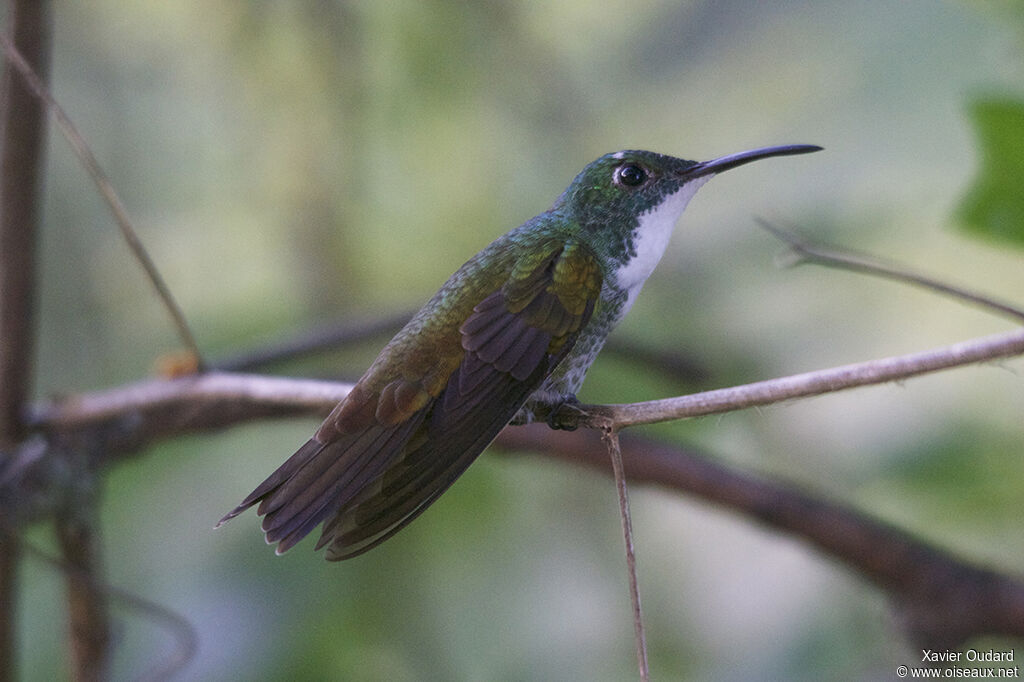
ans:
(385, 454)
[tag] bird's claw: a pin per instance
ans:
(564, 415)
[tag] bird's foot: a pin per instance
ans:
(564, 414)
(558, 411)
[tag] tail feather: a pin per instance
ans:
(458, 430)
(378, 462)
(346, 475)
(321, 478)
(282, 474)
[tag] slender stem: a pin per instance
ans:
(106, 189)
(938, 596)
(124, 419)
(20, 171)
(611, 440)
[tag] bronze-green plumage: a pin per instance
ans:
(518, 325)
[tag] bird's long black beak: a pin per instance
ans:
(724, 163)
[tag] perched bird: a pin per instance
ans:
(517, 326)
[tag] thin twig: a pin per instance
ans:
(164, 407)
(312, 341)
(941, 599)
(132, 416)
(611, 441)
(344, 332)
(106, 189)
(806, 252)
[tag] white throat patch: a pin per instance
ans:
(652, 235)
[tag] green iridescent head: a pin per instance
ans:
(633, 182)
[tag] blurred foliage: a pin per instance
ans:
(994, 206)
(291, 162)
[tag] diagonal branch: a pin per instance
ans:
(921, 578)
(344, 332)
(142, 412)
(804, 251)
(985, 349)
(84, 153)
(136, 414)
(313, 341)
(129, 417)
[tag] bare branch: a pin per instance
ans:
(106, 189)
(165, 407)
(20, 171)
(924, 581)
(806, 252)
(880, 371)
(941, 600)
(134, 415)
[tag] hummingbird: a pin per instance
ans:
(514, 329)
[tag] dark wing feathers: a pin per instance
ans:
(471, 373)
(282, 474)
(486, 314)
(341, 474)
(459, 430)
(508, 344)
(391, 448)
(525, 355)
(480, 398)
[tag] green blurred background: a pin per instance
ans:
(290, 163)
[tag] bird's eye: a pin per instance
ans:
(630, 175)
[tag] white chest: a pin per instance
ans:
(652, 235)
